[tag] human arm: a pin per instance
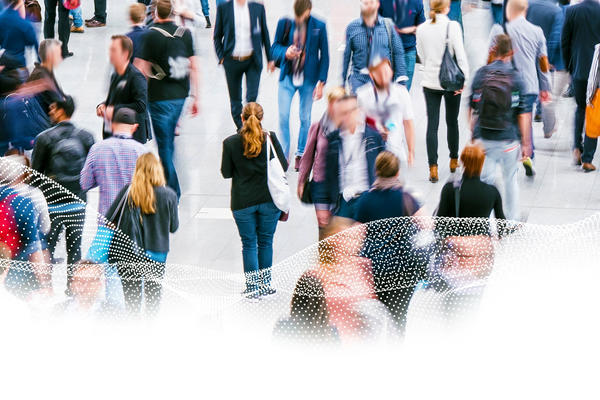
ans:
(409, 132)
(138, 100)
(218, 34)
(195, 85)
(279, 48)
(554, 39)
(324, 50)
(308, 157)
(279, 151)
(174, 213)
(456, 39)
(399, 62)
(421, 46)
(543, 68)
(226, 161)
(87, 180)
(266, 39)
(347, 56)
(445, 208)
(40, 156)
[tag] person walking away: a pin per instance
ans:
(240, 34)
(99, 18)
(245, 158)
(531, 60)
(168, 60)
(302, 51)
(314, 160)
(128, 88)
(499, 119)
(350, 160)
(389, 107)
(60, 154)
(157, 207)
(367, 36)
(432, 38)
(395, 273)
(407, 16)
(581, 32)
(64, 25)
(51, 58)
(17, 33)
(137, 17)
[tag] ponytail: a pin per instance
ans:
(432, 16)
(437, 7)
(252, 132)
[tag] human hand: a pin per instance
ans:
(545, 96)
(292, 53)
(457, 92)
(411, 158)
(526, 150)
(271, 66)
(300, 190)
(318, 92)
(195, 108)
(100, 110)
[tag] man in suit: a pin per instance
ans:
(302, 51)
(581, 32)
(128, 88)
(240, 34)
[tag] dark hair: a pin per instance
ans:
(164, 8)
(503, 46)
(309, 304)
(387, 165)
(300, 7)
(126, 44)
(67, 104)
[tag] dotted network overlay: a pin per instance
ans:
(384, 279)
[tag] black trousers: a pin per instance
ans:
(234, 72)
(64, 25)
(72, 222)
(100, 10)
(142, 281)
(433, 100)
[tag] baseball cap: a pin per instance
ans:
(124, 116)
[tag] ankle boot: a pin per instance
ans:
(433, 173)
(208, 25)
(453, 164)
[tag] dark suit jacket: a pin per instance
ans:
(373, 146)
(224, 34)
(131, 92)
(581, 32)
(316, 64)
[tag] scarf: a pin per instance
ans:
(386, 184)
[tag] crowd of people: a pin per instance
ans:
(351, 162)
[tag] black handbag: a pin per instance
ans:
(127, 221)
(307, 194)
(451, 76)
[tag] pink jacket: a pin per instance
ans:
(315, 153)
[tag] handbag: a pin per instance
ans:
(276, 179)
(307, 194)
(592, 116)
(451, 76)
(129, 222)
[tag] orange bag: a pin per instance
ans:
(592, 117)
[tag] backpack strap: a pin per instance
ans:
(457, 185)
(164, 33)
(389, 27)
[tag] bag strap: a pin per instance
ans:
(389, 25)
(120, 208)
(457, 186)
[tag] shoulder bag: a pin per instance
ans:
(451, 77)
(276, 178)
(592, 109)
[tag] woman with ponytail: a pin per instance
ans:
(157, 205)
(431, 45)
(256, 216)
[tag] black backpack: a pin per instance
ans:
(496, 101)
(67, 157)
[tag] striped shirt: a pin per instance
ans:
(364, 43)
(110, 165)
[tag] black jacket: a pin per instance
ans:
(51, 95)
(41, 160)
(131, 90)
(224, 34)
(581, 32)
(249, 184)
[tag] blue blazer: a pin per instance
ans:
(373, 146)
(224, 34)
(581, 32)
(316, 64)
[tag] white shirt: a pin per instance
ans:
(389, 109)
(243, 33)
(354, 175)
(431, 44)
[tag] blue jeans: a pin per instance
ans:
(498, 13)
(287, 90)
(505, 154)
(77, 18)
(410, 59)
(205, 9)
(165, 115)
(256, 226)
(455, 13)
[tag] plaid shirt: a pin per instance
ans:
(364, 43)
(110, 165)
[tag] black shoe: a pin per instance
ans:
(208, 25)
(537, 118)
(88, 20)
(67, 55)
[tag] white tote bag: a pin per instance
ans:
(276, 179)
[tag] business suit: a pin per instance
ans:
(581, 32)
(314, 70)
(130, 90)
(235, 68)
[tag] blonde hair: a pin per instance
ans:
(137, 13)
(335, 94)
(437, 7)
(148, 174)
(252, 132)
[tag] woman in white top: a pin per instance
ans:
(431, 44)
